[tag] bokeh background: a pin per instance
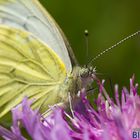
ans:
(108, 21)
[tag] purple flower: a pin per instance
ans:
(111, 120)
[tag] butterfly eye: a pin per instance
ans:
(92, 70)
(84, 72)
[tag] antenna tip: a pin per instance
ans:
(86, 32)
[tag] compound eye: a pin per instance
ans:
(90, 68)
(84, 74)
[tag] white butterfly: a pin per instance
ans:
(35, 57)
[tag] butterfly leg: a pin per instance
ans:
(70, 104)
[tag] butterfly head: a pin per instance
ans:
(87, 71)
(87, 75)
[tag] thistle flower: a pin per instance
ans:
(111, 120)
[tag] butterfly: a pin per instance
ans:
(36, 59)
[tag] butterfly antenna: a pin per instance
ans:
(86, 34)
(114, 46)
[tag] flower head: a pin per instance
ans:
(111, 120)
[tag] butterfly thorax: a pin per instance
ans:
(81, 77)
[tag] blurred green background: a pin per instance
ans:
(108, 21)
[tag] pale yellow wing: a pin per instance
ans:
(28, 68)
(31, 16)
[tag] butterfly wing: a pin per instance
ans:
(28, 68)
(31, 16)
